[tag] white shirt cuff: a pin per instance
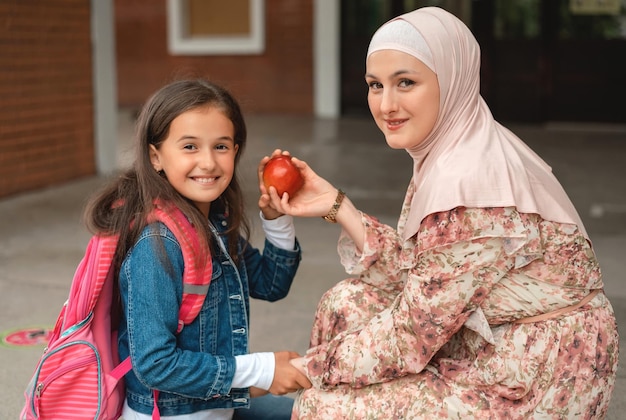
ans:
(256, 369)
(281, 231)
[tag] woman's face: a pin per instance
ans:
(198, 155)
(403, 97)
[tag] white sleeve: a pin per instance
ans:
(256, 369)
(280, 231)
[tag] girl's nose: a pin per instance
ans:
(206, 160)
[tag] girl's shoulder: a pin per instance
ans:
(156, 239)
(157, 231)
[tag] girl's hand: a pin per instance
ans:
(298, 363)
(287, 378)
(257, 392)
(314, 199)
(265, 204)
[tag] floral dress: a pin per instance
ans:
(428, 327)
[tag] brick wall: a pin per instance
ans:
(278, 81)
(46, 111)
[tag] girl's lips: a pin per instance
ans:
(204, 180)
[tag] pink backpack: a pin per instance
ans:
(79, 376)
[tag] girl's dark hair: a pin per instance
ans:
(123, 206)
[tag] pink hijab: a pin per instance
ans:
(468, 159)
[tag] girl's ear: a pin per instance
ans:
(154, 158)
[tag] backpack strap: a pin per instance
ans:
(196, 276)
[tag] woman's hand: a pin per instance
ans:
(315, 198)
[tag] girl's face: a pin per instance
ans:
(403, 97)
(198, 155)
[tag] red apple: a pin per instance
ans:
(282, 174)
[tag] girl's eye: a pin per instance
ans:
(222, 147)
(375, 85)
(189, 147)
(406, 83)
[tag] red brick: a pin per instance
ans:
(46, 111)
(278, 81)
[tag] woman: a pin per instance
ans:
(486, 301)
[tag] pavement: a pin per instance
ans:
(42, 237)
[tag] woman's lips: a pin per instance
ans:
(393, 125)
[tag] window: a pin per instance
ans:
(212, 27)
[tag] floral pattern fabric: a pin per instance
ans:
(425, 328)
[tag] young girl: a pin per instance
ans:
(190, 136)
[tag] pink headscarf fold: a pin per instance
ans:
(468, 159)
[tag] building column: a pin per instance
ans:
(326, 60)
(104, 85)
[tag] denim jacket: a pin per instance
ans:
(193, 370)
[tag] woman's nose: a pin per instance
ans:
(389, 102)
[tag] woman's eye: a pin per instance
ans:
(406, 83)
(374, 85)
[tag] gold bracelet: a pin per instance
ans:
(332, 214)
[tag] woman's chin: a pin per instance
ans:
(394, 142)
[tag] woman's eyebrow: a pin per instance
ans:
(395, 73)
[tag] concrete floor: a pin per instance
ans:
(42, 238)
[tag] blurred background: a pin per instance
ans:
(74, 73)
(67, 67)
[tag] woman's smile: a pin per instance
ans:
(395, 124)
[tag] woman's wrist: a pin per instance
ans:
(331, 216)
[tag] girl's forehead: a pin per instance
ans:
(201, 111)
